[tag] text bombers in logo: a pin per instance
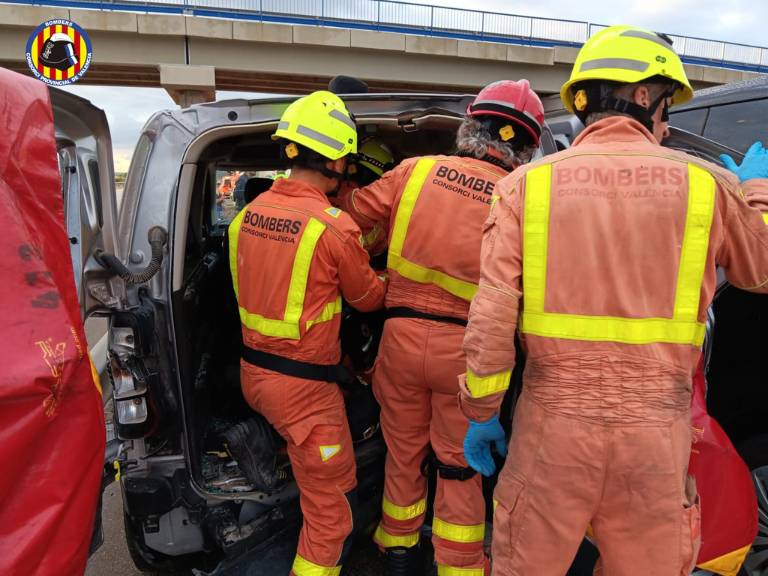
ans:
(59, 52)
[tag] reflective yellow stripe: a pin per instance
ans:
(408, 202)
(95, 375)
(765, 218)
(234, 238)
(459, 288)
(443, 570)
(303, 567)
(404, 512)
(480, 386)
(682, 328)
(613, 329)
(538, 183)
(330, 310)
(457, 532)
(390, 541)
(287, 327)
(727, 564)
(693, 256)
(411, 270)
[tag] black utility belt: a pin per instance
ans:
(320, 372)
(405, 312)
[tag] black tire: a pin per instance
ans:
(754, 451)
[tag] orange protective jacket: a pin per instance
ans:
(293, 257)
(433, 266)
(622, 237)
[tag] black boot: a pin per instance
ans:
(252, 444)
(403, 561)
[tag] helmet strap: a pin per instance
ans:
(312, 160)
(639, 113)
(332, 174)
(599, 99)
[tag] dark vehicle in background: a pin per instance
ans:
(734, 115)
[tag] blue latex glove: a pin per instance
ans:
(754, 165)
(477, 444)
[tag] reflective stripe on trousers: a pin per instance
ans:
(303, 567)
(682, 328)
(289, 325)
(458, 533)
(443, 570)
(387, 540)
(404, 512)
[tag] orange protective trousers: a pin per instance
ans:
(564, 473)
(415, 383)
(310, 416)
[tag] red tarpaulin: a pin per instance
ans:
(728, 502)
(51, 419)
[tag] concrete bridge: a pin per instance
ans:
(192, 55)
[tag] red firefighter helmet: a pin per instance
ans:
(514, 101)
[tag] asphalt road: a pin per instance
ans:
(112, 558)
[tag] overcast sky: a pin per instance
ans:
(730, 20)
(739, 21)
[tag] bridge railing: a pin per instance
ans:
(396, 16)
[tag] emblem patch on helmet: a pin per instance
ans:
(507, 133)
(580, 100)
(59, 52)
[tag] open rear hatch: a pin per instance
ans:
(84, 149)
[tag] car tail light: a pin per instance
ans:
(133, 411)
(129, 384)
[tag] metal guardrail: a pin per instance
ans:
(428, 20)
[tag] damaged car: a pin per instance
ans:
(206, 482)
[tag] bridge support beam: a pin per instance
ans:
(188, 85)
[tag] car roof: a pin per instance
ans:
(201, 117)
(743, 91)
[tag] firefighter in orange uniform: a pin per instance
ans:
(432, 209)
(373, 158)
(604, 257)
(293, 257)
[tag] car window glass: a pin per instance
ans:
(137, 168)
(690, 120)
(64, 161)
(738, 125)
(93, 169)
(229, 194)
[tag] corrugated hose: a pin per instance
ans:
(157, 237)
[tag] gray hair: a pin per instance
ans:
(625, 92)
(473, 139)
